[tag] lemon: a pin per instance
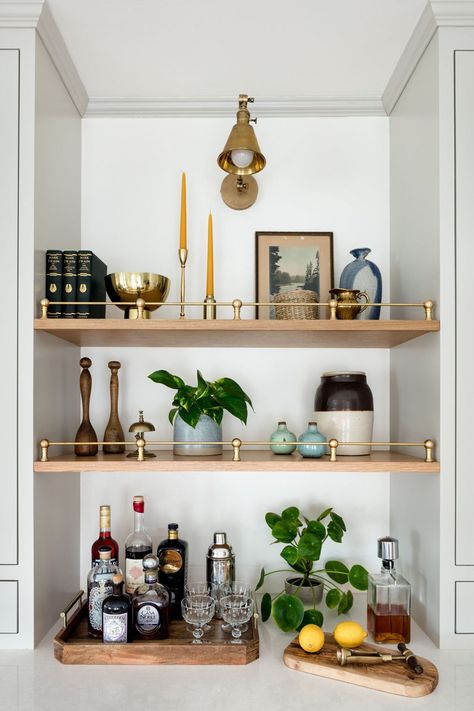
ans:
(349, 634)
(311, 638)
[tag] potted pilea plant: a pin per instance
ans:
(303, 541)
(197, 411)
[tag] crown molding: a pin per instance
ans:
(20, 13)
(453, 13)
(176, 108)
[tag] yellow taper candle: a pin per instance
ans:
(182, 227)
(210, 259)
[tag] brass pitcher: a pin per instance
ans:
(349, 296)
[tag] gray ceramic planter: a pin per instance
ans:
(206, 430)
(309, 595)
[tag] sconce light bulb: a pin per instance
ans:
(241, 157)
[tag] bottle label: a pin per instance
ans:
(97, 594)
(134, 575)
(170, 561)
(114, 627)
(96, 561)
(148, 618)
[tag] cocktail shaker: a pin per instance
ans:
(220, 565)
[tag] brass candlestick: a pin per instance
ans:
(209, 310)
(183, 255)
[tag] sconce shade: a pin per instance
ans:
(242, 137)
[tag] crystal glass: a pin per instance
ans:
(236, 610)
(200, 587)
(236, 587)
(197, 610)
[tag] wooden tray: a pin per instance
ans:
(392, 677)
(72, 645)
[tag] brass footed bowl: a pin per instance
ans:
(127, 287)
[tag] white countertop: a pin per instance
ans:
(35, 681)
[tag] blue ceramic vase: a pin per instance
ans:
(311, 438)
(363, 275)
(283, 434)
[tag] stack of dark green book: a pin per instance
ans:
(75, 276)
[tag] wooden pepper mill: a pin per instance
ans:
(86, 432)
(114, 432)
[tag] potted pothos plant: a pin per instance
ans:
(303, 541)
(197, 411)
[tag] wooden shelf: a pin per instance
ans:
(233, 334)
(252, 460)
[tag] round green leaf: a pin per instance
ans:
(335, 532)
(339, 520)
(309, 546)
(317, 528)
(266, 606)
(333, 598)
(288, 612)
(359, 577)
(311, 617)
(271, 518)
(337, 571)
(261, 579)
(345, 603)
(290, 554)
(290, 514)
(284, 531)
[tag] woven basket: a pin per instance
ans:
(299, 296)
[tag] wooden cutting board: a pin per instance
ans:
(391, 677)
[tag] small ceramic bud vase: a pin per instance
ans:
(312, 438)
(283, 434)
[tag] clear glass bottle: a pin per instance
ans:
(99, 586)
(151, 604)
(137, 546)
(173, 556)
(388, 598)
(117, 614)
(105, 538)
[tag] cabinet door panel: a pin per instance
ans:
(9, 95)
(8, 607)
(464, 147)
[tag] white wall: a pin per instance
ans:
(322, 174)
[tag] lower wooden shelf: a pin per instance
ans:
(252, 460)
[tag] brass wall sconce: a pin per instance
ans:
(241, 158)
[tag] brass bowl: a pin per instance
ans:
(127, 287)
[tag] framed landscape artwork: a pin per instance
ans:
(289, 261)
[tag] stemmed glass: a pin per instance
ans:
(236, 587)
(197, 610)
(236, 610)
(200, 587)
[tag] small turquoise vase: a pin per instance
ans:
(282, 434)
(363, 275)
(311, 439)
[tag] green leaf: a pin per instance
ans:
(324, 514)
(345, 603)
(337, 571)
(172, 414)
(309, 546)
(311, 617)
(190, 415)
(232, 388)
(359, 577)
(202, 389)
(271, 519)
(339, 520)
(284, 531)
(290, 554)
(317, 529)
(261, 579)
(288, 612)
(266, 607)
(291, 513)
(333, 598)
(164, 378)
(335, 532)
(234, 405)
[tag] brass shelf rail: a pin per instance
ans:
(237, 444)
(237, 306)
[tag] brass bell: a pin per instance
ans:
(139, 428)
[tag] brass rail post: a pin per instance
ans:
(236, 444)
(44, 444)
(333, 445)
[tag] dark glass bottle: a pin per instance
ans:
(117, 614)
(173, 571)
(99, 586)
(151, 604)
(105, 539)
(137, 546)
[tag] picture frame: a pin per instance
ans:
(287, 261)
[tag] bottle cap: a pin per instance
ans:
(173, 527)
(150, 562)
(220, 548)
(117, 579)
(220, 539)
(138, 504)
(387, 548)
(105, 553)
(105, 508)
(282, 422)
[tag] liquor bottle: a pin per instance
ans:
(117, 614)
(173, 571)
(137, 546)
(105, 538)
(388, 598)
(151, 603)
(99, 586)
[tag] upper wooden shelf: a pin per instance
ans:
(236, 333)
(252, 460)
